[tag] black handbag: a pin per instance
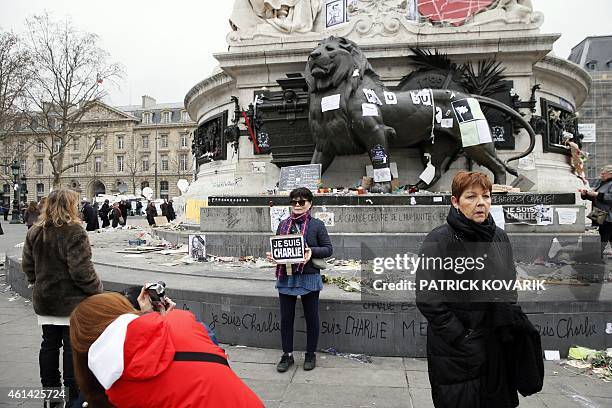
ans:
(1, 231)
(597, 215)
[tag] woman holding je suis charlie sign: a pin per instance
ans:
(303, 279)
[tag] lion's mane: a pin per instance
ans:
(335, 124)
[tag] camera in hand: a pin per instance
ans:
(157, 294)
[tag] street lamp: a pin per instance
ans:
(15, 169)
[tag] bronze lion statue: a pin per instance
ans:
(351, 112)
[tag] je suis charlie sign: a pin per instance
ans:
(287, 249)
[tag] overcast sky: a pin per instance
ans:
(166, 47)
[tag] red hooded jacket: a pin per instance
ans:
(134, 360)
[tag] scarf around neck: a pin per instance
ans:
(293, 224)
(471, 230)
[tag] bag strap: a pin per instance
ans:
(198, 356)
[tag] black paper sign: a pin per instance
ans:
(287, 249)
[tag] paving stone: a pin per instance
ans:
(421, 398)
(264, 372)
(418, 379)
(352, 376)
(346, 395)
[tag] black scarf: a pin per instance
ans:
(469, 229)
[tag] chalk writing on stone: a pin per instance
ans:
(568, 327)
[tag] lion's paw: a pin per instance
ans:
(380, 188)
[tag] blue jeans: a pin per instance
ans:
(54, 338)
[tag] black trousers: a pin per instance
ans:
(605, 232)
(54, 338)
(310, 304)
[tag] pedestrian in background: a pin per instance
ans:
(31, 214)
(151, 213)
(89, 216)
(104, 211)
(57, 263)
(302, 279)
(7, 209)
(170, 214)
(116, 215)
(123, 207)
(601, 196)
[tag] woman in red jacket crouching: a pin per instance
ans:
(126, 359)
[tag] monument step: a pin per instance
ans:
(528, 247)
(380, 218)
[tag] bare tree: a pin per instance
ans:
(14, 78)
(132, 169)
(67, 70)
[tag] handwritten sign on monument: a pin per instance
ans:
(292, 177)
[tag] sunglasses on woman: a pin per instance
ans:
(301, 203)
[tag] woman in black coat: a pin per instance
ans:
(304, 279)
(151, 213)
(460, 333)
(104, 210)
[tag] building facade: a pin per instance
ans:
(594, 54)
(127, 148)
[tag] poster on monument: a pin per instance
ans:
(197, 247)
(335, 13)
(528, 214)
(277, 214)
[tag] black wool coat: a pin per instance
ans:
(90, 218)
(57, 261)
(460, 333)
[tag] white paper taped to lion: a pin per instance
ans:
(472, 122)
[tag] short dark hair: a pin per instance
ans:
(301, 192)
(465, 179)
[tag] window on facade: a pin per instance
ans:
(166, 117)
(183, 139)
(164, 141)
(56, 146)
(21, 147)
(75, 145)
(120, 142)
(40, 146)
(163, 189)
(146, 118)
(40, 167)
(75, 168)
(145, 141)
(98, 164)
(144, 184)
(185, 116)
(591, 65)
(183, 162)
(98, 143)
(120, 163)
(145, 164)
(164, 163)
(22, 167)
(40, 191)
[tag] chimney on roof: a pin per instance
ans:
(147, 101)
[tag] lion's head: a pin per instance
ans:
(333, 61)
